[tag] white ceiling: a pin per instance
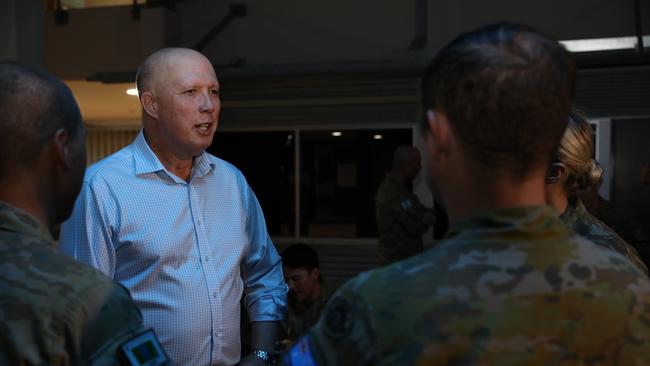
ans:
(104, 104)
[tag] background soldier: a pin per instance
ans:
(401, 218)
(307, 291)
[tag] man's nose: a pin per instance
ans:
(207, 105)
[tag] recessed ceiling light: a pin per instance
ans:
(132, 91)
(378, 137)
(603, 44)
(336, 133)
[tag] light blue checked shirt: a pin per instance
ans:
(187, 252)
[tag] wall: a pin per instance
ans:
(296, 32)
(631, 195)
(21, 31)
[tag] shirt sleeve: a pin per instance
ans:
(86, 235)
(342, 336)
(265, 292)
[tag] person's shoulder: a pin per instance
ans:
(69, 275)
(116, 164)
(599, 233)
(41, 274)
(221, 164)
(226, 170)
(385, 285)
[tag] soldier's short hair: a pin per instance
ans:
(33, 106)
(506, 90)
(300, 255)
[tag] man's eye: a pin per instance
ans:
(190, 92)
(214, 92)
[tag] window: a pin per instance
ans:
(338, 175)
(267, 161)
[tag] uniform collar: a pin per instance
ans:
(574, 208)
(524, 219)
(15, 219)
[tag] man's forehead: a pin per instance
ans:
(186, 68)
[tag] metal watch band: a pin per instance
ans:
(265, 356)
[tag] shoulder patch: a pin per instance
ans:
(143, 349)
(300, 354)
(406, 204)
(338, 318)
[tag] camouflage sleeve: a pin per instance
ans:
(342, 336)
(111, 318)
(414, 217)
(633, 254)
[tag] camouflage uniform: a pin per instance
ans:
(510, 287)
(299, 317)
(53, 309)
(401, 221)
(582, 222)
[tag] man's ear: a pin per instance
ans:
(438, 128)
(60, 148)
(149, 104)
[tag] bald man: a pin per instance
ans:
(53, 309)
(180, 228)
(401, 218)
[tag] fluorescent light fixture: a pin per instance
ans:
(132, 91)
(336, 133)
(603, 44)
(378, 137)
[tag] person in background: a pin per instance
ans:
(180, 228)
(511, 284)
(596, 204)
(606, 211)
(307, 292)
(53, 309)
(572, 170)
(401, 218)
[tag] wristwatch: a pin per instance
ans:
(265, 356)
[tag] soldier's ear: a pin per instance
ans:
(59, 148)
(438, 134)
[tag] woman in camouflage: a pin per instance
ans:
(573, 170)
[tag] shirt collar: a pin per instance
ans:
(14, 219)
(202, 165)
(146, 160)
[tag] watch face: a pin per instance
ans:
(263, 355)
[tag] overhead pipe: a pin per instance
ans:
(421, 25)
(639, 28)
